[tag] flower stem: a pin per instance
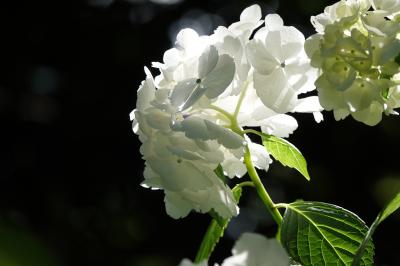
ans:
(221, 111)
(262, 193)
(216, 230)
(240, 101)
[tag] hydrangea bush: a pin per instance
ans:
(212, 92)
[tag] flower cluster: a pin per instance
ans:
(357, 49)
(190, 118)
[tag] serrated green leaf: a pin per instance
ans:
(393, 205)
(316, 233)
(285, 152)
(215, 231)
(390, 208)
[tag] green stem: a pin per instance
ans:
(262, 193)
(240, 101)
(216, 230)
(222, 111)
(249, 130)
(246, 184)
(281, 205)
(213, 233)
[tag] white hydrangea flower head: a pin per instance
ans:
(181, 166)
(184, 117)
(357, 54)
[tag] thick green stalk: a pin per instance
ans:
(262, 193)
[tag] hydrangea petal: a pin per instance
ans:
(274, 91)
(280, 125)
(176, 206)
(259, 155)
(260, 58)
(182, 91)
(224, 136)
(220, 77)
(186, 38)
(370, 116)
(251, 14)
(181, 174)
(308, 105)
(273, 22)
(207, 61)
(253, 250)
(146, 91)
(198, 128)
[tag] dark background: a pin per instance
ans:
(70, 168)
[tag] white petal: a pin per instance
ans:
(255, 250)
(390, 6)
(158, 119)
(224, 136)
(291, 35)
(207, 61)
(186, 262)
(259, 156)
(233, 167)
(184, 154)
(251, 14)
(146, 91)
(260, 58)
(318, 117)
(151, 179)
(195, 128)
(176, 206)
(186, 38)
(273, 22)
(280, 125)
(273, 43)
(220, 77)
(186, 93)
(308, 105)
(172, 58)
(177, 175)
(274, 91)
(198, 128)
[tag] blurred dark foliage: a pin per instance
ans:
(70, 168)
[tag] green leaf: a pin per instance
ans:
(215, 231)
(286, 153)
(393, 205)
(390, 208)
(219, 171)
(316, 233)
